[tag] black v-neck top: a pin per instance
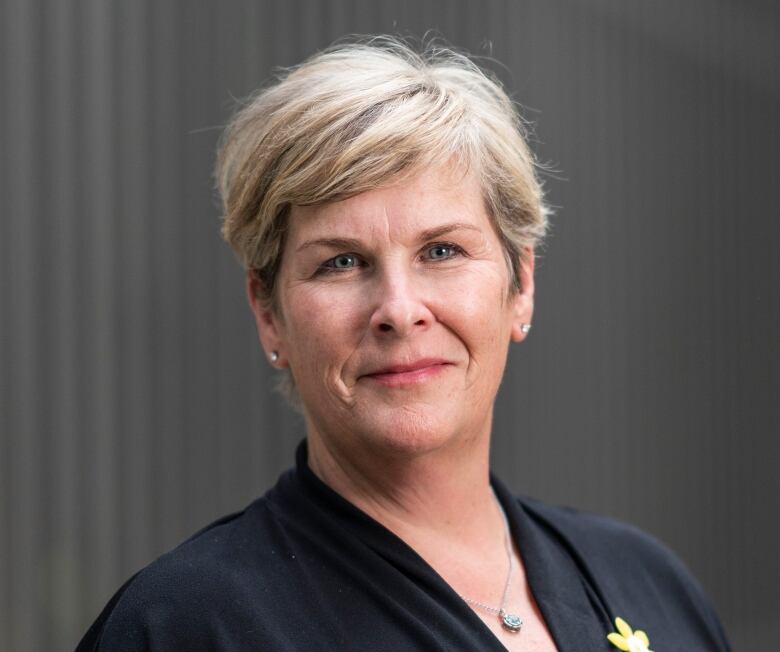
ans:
(303, 569)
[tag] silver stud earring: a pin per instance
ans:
(525, 328)
(274, 356)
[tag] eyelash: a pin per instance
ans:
(328, 267)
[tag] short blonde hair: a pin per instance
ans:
(366, 113)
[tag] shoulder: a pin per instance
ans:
(603, 537)
(630, 566)
(183, 599)
(616, 548)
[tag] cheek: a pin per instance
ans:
(478, 308)
(321, 324)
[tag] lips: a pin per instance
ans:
(408, 373)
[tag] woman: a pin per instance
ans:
(386, 208)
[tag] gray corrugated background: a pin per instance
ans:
(134, 403)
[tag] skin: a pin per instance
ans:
(394, 313)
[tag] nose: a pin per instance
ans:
(401, 308)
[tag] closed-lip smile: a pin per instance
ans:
(419, 371)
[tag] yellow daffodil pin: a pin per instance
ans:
(628, 639)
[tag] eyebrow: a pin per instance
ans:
(347, 244)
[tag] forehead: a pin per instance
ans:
(427, 200)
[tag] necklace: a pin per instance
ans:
(511, 622)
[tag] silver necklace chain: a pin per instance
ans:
(510, 622)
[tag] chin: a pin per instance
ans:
(406, 432)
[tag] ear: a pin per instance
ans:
(269, 325)
(523, 300)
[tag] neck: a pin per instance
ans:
(438, 494)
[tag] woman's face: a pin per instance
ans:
(394, 314)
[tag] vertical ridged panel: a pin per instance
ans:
(23, 315)
(65, 508)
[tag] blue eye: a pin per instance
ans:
(442, 251)
(341, 262)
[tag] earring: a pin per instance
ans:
(274, 356)
(525, 328)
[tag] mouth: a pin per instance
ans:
(413, 373)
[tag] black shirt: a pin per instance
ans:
(303, 569)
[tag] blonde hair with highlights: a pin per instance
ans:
(363, 114)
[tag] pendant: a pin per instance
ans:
(511, 622)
